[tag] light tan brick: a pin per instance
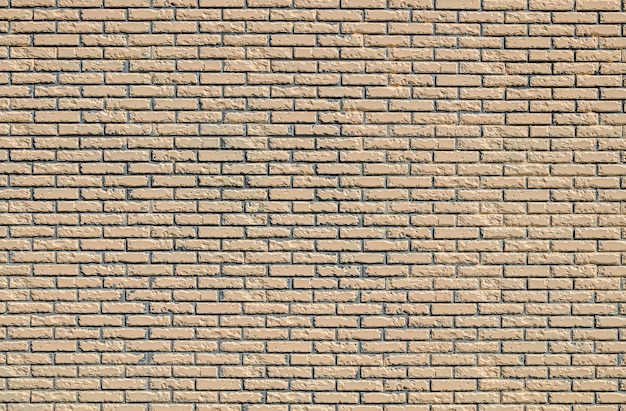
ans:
(444, 231)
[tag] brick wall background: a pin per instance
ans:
(312, 205)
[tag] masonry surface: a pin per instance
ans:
(312, 205)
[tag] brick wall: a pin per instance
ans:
(312, 205)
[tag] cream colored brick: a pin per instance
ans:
(444, 231)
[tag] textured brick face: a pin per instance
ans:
(312, 205)
(444, 68)
(259, 273)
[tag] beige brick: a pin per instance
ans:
(604, 5)
(444, 231)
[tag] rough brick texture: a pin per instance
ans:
(312, 205)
